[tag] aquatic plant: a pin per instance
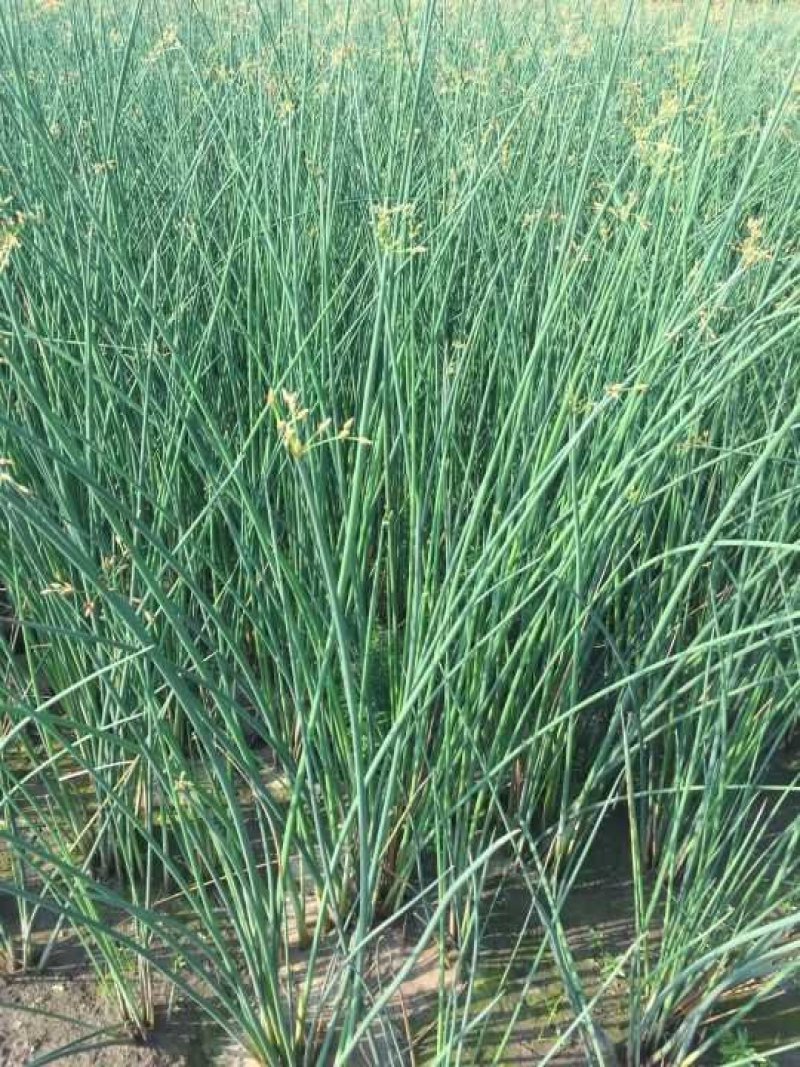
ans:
(399, 486)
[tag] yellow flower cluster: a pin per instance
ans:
(9, 241)
(292, 420)
(103, 167)
(396, 230)
(167, 42)
(617, 389)
(695, 440)
(751, 248)
(7, 478)
(11, 226)
(59, 587)
(655, 140)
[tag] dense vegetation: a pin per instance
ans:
(400, 440)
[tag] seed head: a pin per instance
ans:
(751, 249)
(58, 587)
(9, 242)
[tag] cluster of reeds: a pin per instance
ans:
(400, 481)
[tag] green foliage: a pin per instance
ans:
(735, 1047)
(399, 481)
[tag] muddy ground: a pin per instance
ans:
(75, 1013)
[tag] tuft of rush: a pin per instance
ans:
(400, 521)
